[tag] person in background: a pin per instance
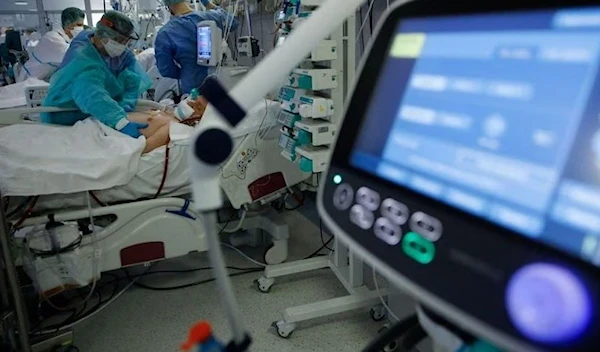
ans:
(100, 77)
(47, 55)
(146, 59)
(30, 39)
(176, 46)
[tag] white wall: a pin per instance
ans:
(18, 5)
(59, 5)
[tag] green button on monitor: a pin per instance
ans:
(418, 248)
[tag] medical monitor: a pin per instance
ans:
(209, 38)
(468, 166)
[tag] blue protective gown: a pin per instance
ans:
(103, 87)
(176, 47)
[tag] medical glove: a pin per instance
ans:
(132, 129)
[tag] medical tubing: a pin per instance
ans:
(97, 200)
(27, 213)
(65, 327)
(19, 208)
(395, 332)
(239, 225)
(383, 302)
(95, 253)
(275, 67)
(246, 256)
(223, 281)
(228, 27)
(362, 26)
(165, 172)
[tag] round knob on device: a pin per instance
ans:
(213, 146)
(548, 303)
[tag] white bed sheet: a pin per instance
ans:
(147, 179)
(13, 95)
(41, 159)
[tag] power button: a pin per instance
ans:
(343, 197)
(548, 303)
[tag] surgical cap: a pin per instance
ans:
(173, 2)
(71, 15)
(114, 24)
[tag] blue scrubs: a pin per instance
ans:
(103, 87)
(176, 46)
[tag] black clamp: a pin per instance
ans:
(213, 91)
(213, 146)
(242, 347)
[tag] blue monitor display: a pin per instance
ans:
(497, 115)
(204, 42)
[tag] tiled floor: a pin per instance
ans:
(143, 320)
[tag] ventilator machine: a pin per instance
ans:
(466, 169)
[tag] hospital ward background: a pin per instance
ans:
(103, 240)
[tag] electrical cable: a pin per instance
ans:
(98, 310)
(315, 253)
(392, 334)
(360, 31)
(383, 302)
(244, 255)
(322, 236)
(45, 253)
(238, 226)
(371, 21)
(172, 288)
(118, 279)
(299, 200)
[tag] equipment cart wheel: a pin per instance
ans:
(378, 313)
(392, 347)
(284, 329)
(264, 284)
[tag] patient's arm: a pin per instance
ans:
(157, 132)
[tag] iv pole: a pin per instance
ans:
(213, 131)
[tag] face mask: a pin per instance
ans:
(75, 31)
(113, 48)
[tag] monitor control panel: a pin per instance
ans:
(465, 170)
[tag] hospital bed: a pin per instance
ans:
(30, 92)
(162, 87)
(136, 228)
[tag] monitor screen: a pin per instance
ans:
(204, 42)
(497, 115)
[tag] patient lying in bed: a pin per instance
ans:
(157, 132)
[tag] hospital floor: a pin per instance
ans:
(144, 320)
